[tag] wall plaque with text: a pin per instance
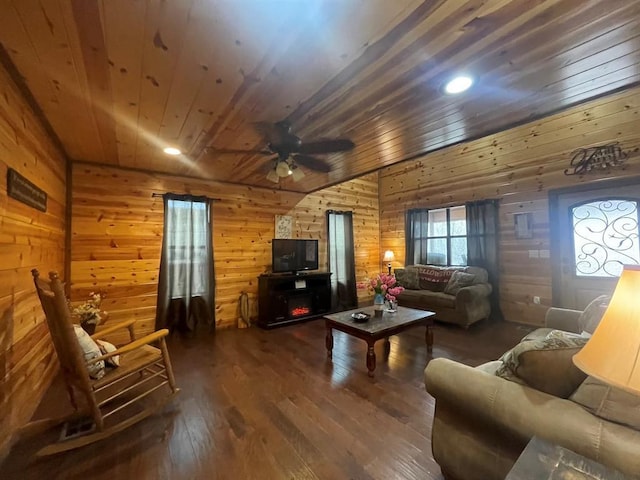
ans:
(24, 191)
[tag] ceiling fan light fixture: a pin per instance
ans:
(297, 174)
(272, 176)
(282, 169)
(458, 85)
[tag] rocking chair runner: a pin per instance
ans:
(109, 401)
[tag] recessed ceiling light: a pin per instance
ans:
(458, 85)
(171, 151)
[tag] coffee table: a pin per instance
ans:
(378, 327)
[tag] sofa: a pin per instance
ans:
(458, 295)
(483, 421)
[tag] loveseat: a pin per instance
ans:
(457, 295)
(482, 421)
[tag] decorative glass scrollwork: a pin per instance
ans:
(605, 237)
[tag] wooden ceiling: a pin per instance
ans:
(117, 80)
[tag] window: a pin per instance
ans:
(187, 228)
(605, 237)
(437, 237)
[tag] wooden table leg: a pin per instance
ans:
(387, 347)
(329, 341)
(429, 338)
(371, 358)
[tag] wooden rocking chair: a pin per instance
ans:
(113, 402)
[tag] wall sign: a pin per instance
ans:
(24, 191)
(596, 159)
(283, 226)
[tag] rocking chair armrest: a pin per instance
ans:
(106, 331)
(152, 337)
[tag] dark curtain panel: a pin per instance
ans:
(186, 284)
(341, 260)
(415, 236)
(482, 245)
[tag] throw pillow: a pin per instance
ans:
(408, 277)
(90, 350)
(106, 347)
(545, 364)
(434, 278)
(610, 403)
(591, 316)
(459, 280)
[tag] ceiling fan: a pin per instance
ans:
(291, 152)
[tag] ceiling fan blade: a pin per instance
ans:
(326, 146)
(235, 151)
(312, 163)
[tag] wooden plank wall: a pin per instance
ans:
(28, 239)
(518, 166)
(117, 235)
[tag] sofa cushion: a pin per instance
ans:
(428, 298)
(608, 402)
(459, 280)
(591, 316)
(545, 364)
(434, 278)
(408, 277)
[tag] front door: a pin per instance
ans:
(594, 233)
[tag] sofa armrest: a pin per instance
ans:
(473, 292)
(562, 319)
(522, 412)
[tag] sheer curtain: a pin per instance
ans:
(482, 245)
(186, 284)
(341, 260)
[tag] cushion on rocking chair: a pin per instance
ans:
(90, 350)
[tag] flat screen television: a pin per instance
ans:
(294, 255)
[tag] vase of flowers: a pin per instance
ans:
(88, 313)
(384, 287)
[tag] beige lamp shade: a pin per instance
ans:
(612, 354)
(388, 256)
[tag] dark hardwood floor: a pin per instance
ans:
(261, 404)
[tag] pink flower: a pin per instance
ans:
(383, 284)
(392, 293)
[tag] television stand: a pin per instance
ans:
(289, 298)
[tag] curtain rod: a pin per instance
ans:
(156, 195)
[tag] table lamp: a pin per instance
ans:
(612, 354)
(388, 257)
